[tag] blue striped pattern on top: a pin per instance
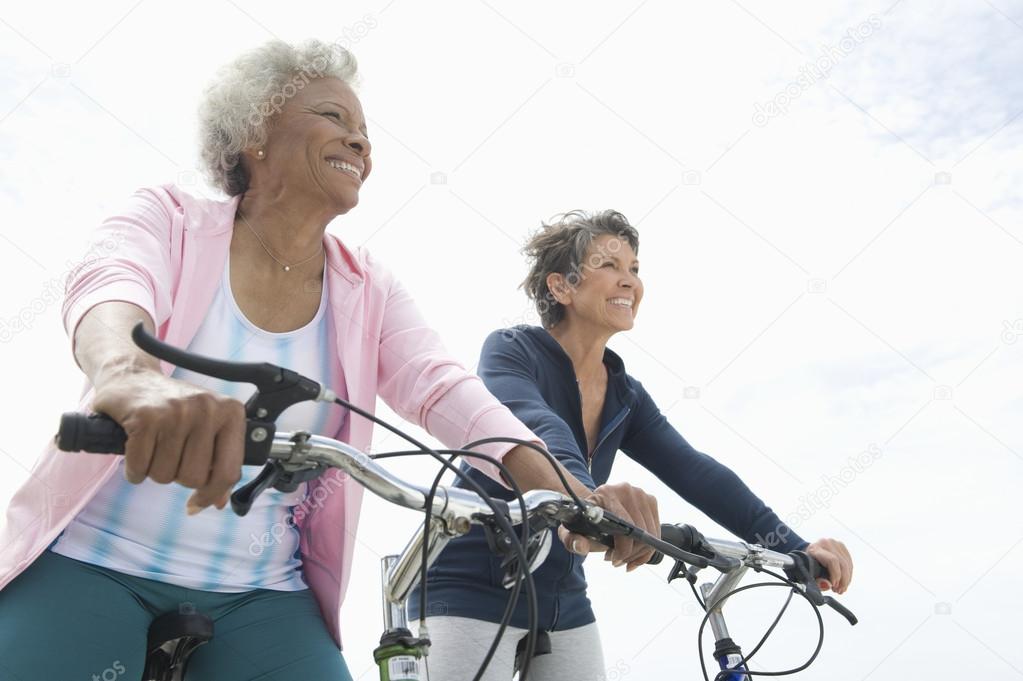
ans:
(143, 529)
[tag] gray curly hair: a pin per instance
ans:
(560, 247)
(238, 106)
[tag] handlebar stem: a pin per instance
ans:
(716, 593)
(403, 576)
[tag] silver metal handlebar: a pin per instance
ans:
(454, 510)
(751, 555)
(449, 504)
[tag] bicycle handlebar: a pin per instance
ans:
(99, 434)
(456, 508)
(300, 456)
(728, 555)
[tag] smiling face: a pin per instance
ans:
(605, 296)
(317, 147)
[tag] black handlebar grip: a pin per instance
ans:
(97, 433)
(814, 569)
(806, 568)
(681, 536)
(100, 434)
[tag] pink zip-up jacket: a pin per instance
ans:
(166, 253)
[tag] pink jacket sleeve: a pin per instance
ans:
(129, 260)
(420, 381)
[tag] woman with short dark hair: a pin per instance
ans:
(564, 383)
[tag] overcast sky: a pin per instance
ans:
(831, 218)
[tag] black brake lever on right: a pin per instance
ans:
(606, 526)
(806, 570)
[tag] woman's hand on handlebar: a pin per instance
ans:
(834, 556)
(632, 505)
(177, 432)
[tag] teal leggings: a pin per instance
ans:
(65, 620)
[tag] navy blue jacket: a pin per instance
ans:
(528, 371)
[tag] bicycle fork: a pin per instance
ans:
(726, 651)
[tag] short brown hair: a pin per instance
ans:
(560, 247)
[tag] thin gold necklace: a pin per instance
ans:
(285, 266)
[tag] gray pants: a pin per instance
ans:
(459, 645)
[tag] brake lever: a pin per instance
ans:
(243, 497)
(841, 610)
(284, 475)
(595, 523)
(277, 388)
(817, 597)
(536, 548)
(804, 571)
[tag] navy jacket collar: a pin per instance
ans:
(617, 379)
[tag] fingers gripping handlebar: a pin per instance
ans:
(277, 389)
(806, 570)
(799, 566)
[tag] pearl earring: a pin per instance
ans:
(260, 153)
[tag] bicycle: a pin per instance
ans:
(292, 458)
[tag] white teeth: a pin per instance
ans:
(624, 302)
(345, 167)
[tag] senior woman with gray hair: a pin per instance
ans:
(570, 389)
(96, 546)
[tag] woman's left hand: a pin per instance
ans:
(833, 555)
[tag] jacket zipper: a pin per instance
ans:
(612, 427)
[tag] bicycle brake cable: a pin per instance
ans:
(523, 565)
(794, 589)
(502, 521)
(516, 589)
(520, 578)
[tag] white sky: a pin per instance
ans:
(822, 279)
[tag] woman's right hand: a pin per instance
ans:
(630, 504)
(177, 432)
